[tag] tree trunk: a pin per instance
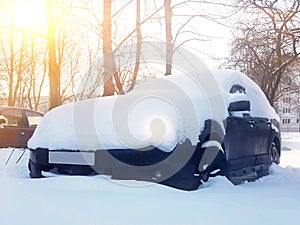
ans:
(109, 87)
(138, 44)
(17, 92)
(11, 71)
(169, 37)
(12, 60)
(54, 70)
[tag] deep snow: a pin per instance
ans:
(274, 199)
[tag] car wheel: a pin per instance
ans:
(273, 154)
(212, 163)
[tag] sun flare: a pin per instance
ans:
(27, 15)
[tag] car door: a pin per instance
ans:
(242, 136)
(263, 127)
(241, 130)
(11, 131)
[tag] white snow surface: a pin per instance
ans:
(93, 200)
(161, 113)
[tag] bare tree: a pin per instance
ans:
(138, 44)
(37, 71)
(24, 66)
(110, 71)
(267, 44)
(169, 37)
(68, 53)
(54, 70)
(13, 65)
(27, 78)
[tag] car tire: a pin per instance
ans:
(273, 156)
(217, 165)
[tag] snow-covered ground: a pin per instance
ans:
(274, 199)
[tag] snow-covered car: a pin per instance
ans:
(175, 130)
(17, 126)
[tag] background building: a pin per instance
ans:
(288, 108)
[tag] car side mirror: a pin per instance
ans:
(238, 106)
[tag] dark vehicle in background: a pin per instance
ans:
(240, 144)
(17, 126)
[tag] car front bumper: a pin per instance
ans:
(151, 165)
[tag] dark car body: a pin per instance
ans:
(242, 146)
(17, 126)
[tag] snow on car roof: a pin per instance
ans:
(160, 113)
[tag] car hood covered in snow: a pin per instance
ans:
(160, 113)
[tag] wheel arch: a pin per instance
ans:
(212, 131)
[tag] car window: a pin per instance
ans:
(12, 117)
(33, 118)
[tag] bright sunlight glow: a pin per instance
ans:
(29, 15)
